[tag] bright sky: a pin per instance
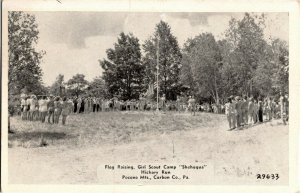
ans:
(75, 41)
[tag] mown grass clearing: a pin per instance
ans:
(44, 153)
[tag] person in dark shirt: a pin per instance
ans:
(57, 109)
(81, 109)
(260, 110)
(75, 104)
(239, 118)
(50, 107)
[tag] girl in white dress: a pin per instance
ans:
(228, 112)
(43, 108)
(65, 106)
(32, 103)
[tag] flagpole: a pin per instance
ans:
(157, 71)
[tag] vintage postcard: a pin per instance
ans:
(150, 96)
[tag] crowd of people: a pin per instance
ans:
(94, 104)
(240, 111)
(37, 109)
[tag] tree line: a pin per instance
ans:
(244, 62)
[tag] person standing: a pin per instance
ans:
(75, 101)
(287, 107)
(238, 111)
(101, 104)
(117, 105)
(282, 101)
(32, 109)
(65, 106)
(260, 110)
(183, 101)
(233, 113)
(83, 104)
(94, 104)
(245, 110)
(57, 110)
(242, 112)
(51, 109)
(270, 108)
(28, 102)
(178, 104)
(273, 108)
(98, 103)
(79, 105)
(43, 108)
(39, 100)
(89, 104)
(39, 108)
(132, 104)
(141, 103)
(251, 111)
(266, 109)
(228, 112)
(163, 102)
(255, 111)
(70, 101)
(23, 107)
(127, 103)
(36, 111)
(277, 110)
(191, 102)
(114, 103)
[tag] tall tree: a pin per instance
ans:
(280, 56)
(123, 70)
(202, 65)
(57, 87)
(24, 60)
(230, 83)
(164, 44)
(97, 88)
(77, 85)
(248, 49)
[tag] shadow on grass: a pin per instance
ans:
(35, 135)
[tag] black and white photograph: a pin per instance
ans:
(148, 98)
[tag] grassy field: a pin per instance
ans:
(55, 154)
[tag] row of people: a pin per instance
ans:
(241, 111)
(33, 109)
(238, 110)
(94, 104)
